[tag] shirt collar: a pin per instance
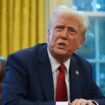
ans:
(55, 64)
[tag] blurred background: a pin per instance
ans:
(23, 23)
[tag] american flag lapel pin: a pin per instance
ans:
(77, 72)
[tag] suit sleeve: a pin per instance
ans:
(95, 92)
(15, 90)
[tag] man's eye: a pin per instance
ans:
(72, 31)
(59, 28)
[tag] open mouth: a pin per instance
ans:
(61, 45)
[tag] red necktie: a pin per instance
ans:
(61, 89)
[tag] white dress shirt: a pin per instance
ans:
(55, 71)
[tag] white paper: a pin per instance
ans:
(61, 103)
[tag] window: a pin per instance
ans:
(94, 46)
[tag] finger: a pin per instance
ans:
(75, 102)
(82, 102)
(90, 102)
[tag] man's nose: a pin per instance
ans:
(64, 34)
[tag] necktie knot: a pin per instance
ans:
(62, 68)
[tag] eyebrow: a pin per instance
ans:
(69, 27)
(73, 29)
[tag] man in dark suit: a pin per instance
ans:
(31, 74)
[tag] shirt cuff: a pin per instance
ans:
(96, 103)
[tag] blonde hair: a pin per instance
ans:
(82, 17)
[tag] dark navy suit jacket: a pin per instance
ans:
(29, 79)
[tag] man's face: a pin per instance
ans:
(64, 36)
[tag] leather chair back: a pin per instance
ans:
(2, 74)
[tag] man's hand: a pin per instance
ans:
(81, 102)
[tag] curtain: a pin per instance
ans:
(21, 24)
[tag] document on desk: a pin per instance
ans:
(61, 103)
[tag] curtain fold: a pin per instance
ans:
(21, 24)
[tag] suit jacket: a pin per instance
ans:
(29, 80)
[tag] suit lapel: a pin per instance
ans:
(46, 77)
(45, 73)
(75, 80)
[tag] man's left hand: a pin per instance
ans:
(82, 102)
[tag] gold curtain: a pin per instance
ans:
(21, 24)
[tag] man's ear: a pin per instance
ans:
(80, 45)
(81, 42)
